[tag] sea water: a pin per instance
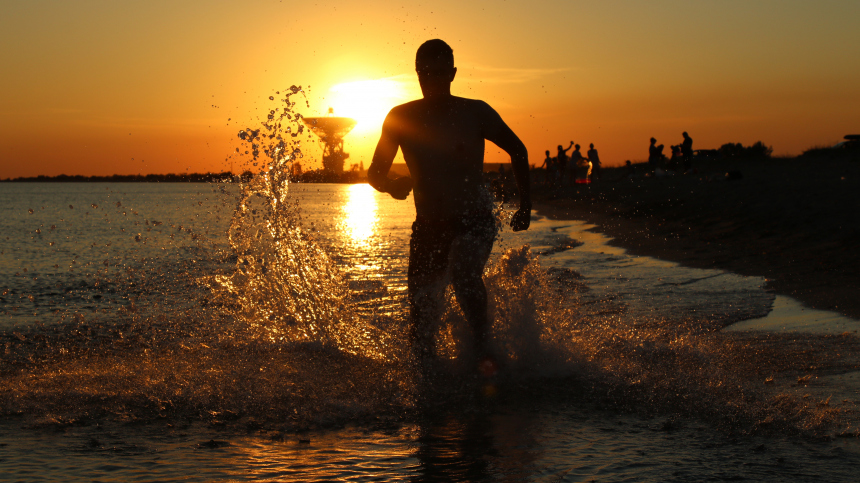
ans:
(256, 329)
(129, 353)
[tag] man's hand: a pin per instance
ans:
(399, 188)
(521, 219)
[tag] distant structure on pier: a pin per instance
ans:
(331, 131)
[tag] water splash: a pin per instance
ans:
(277, 340)
(286, 287)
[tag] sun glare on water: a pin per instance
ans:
(360, 213)
(367, 101)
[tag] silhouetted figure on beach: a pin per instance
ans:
(561, 161)
(595, 162)
(550, 169)
(687, 151)
(578, 162)
(655, 154)
(675, 161)
(628, 170)
(442, 140)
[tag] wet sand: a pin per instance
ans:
(795, 221)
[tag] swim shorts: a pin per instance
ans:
(463, 245)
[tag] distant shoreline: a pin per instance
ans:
(225, 177)
(794, 221)
(314, 176)
(131, 178)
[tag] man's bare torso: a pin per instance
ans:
(443, 145)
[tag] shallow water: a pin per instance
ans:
(545, 439)
(630, 378)
(789, 315)
(645, 286)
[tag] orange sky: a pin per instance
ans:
(104, 87)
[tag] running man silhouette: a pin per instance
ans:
(442, 140)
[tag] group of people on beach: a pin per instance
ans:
(681, 160)
(562, 169)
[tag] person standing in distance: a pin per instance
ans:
(442, 139)
(561, 159)
(687, 151)
(595, 162)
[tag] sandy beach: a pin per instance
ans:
(795, 221)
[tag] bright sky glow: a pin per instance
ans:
(367, 101)
(95, 87)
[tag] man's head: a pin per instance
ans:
(685, 135)
(591, 146)
(653, 140)
(434, 63)
(547, 153)
(576, 147)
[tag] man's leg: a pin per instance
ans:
(469, 255)
(472, 297)
(428, 257)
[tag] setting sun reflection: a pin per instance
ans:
(360, 218)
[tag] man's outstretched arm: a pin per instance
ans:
(383, 157)
(502, 136)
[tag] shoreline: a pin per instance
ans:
(798, 229)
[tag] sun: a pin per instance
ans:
(367, 101)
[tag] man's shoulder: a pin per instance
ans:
(476, 104)
(465, 101)
(410, 104)
(405, 107)
(411, 109)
